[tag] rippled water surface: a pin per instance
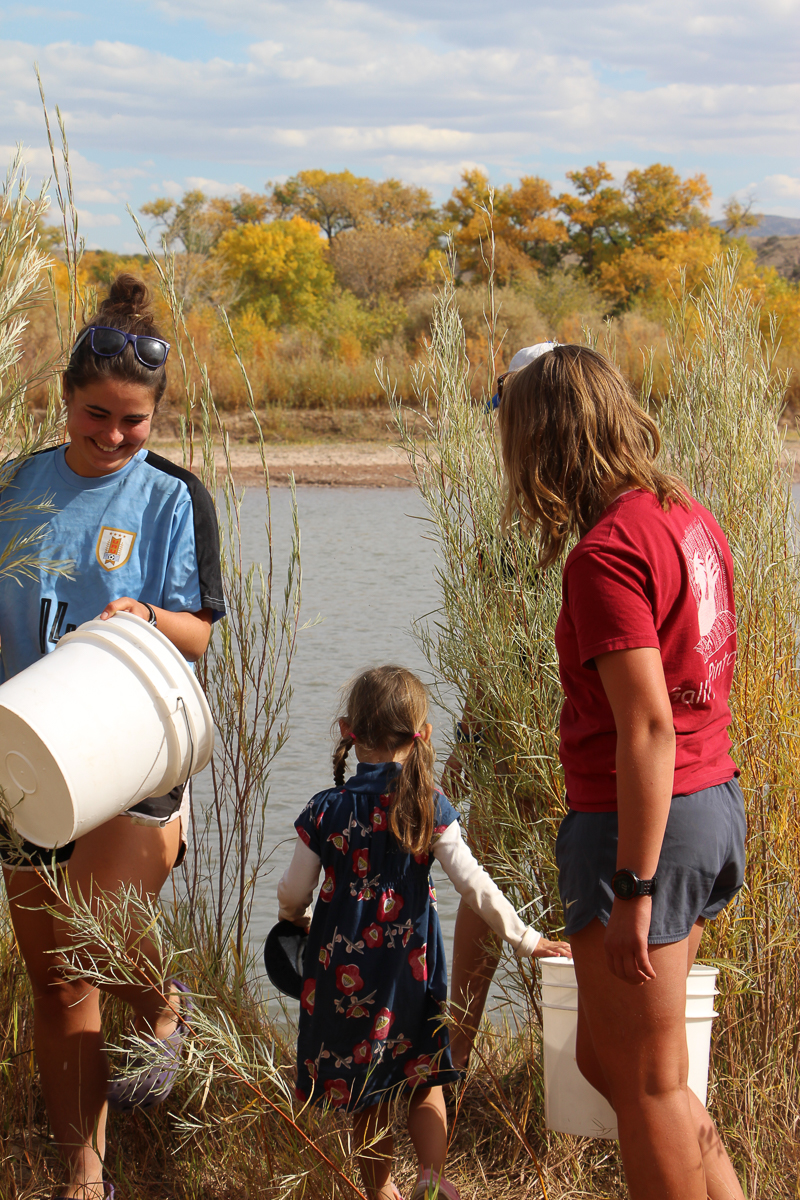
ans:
(368, 573)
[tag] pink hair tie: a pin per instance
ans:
(416, 735)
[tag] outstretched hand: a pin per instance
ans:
(548, 949)
(626, 940)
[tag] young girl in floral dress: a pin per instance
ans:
(372, 1012)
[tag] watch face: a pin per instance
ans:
(624, 884)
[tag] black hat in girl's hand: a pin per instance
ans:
(283, 957)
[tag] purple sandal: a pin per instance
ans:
(149, 1086)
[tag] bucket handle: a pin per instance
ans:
(190, 735)
(174, 754)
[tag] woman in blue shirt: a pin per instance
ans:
(142, 535)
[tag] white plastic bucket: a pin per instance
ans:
(571, 1104)
(114, 714)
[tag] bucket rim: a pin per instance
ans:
(139, 624)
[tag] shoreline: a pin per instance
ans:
(325, 464)
(370, 464)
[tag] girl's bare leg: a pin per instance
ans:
(631, 1046)
(372, 1129)
(67, 1037)
(427, 1128)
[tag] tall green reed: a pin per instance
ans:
(23, 287)
(24, 271)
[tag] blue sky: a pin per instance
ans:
(161, 95)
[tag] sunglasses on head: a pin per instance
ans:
(151, 352)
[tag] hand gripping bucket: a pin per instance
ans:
(571, 1104)
(114, 714)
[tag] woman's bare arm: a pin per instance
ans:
(637, 692)
(189, 632)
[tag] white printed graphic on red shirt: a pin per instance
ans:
(711, 589)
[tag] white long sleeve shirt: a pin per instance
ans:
(471, 881)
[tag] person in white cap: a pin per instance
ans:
(521, 359)
(475, 954)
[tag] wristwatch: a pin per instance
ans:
(625, 884)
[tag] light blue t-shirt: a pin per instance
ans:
(148, 531)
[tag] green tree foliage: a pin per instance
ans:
(279, 269)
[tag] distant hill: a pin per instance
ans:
(782, 253)
(776, 241)
(769, 226)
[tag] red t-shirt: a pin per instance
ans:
(645, 577)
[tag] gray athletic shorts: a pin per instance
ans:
(700, 870)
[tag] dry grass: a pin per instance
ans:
(498, 1137)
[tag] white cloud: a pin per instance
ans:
(168, 187)
(784, 185)
(418, 90)
(447, 104)
(90, 220)
(213, 187)
(697, 40)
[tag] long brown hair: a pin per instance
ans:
(127, 307)
(385, 707)
(572, 434)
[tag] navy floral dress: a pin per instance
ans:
(375, 975)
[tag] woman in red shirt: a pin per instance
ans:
(653, 843)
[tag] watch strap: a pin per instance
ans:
(641, 887)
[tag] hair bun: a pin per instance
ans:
(128, 296)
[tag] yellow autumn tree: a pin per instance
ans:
(595, 216)
(662, 229)
(527, 233)
(280, 270)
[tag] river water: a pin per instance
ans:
(368, 574)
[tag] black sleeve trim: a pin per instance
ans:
(206, 533)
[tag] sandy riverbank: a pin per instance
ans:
(341, 464)
(327, 464)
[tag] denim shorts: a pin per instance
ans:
(155, 810)
(700, 868)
